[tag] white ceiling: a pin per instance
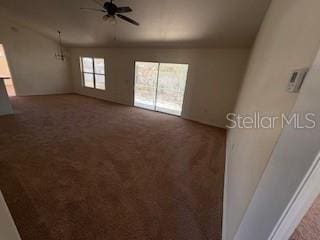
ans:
(165, 23)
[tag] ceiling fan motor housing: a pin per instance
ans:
(111, 8)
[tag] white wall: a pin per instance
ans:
(34, 69)
(294, 154)
(288, 39)
(213, 82)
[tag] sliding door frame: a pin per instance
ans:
(157, 84)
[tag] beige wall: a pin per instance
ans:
(34, 69)
(5, 106)
(289, 39)
(213, 80)
(294, 158)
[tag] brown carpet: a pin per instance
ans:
(73, 167)
(309, 228)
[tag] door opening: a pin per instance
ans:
(160, 86)
(5, 73)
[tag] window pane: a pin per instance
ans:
(171, 85)
(88, 80)
(100, 82)
(146, 74)
(99, 65)
(87, 64)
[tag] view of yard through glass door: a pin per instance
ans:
(5, 72)
(160, 86)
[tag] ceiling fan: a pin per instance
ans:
(112, 11)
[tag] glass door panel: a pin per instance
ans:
(171, 86)
(5, 72)
(146, 75)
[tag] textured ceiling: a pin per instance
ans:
(164, 23)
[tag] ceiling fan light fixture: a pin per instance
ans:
(109, 19)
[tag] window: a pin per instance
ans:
(93, 72)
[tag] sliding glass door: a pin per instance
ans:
(146, 75)
(160, 86)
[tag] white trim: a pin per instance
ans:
(300, 203)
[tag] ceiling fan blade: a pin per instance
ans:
(128, 19)
(124, 9)
(93, 9)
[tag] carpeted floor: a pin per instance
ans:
(309, 228)
(73, 168)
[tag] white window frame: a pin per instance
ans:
(93, 73)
